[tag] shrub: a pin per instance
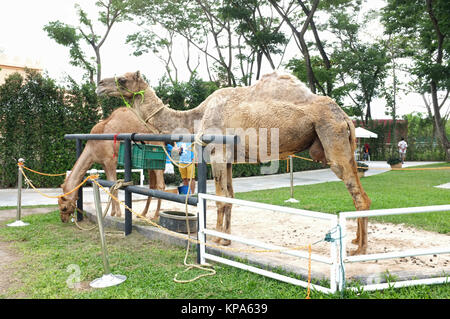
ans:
(393, 160)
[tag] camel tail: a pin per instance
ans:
(352, 137)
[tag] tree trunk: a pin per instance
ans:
(440, 128)
(99, 65)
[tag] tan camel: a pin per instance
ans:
(277, 103)
(122, 120)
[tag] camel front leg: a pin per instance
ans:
(361, 201)
(223, 223)
(338, 151)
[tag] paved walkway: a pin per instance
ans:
(8, 197)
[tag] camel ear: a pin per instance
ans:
(137, 75)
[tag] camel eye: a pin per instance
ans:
(122, 81)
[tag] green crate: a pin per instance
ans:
(146, 156)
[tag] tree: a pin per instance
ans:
(426, 26)
(300, 18)
(261, 32)
(111, 12)
(362, 64)
(184, 95)
(199, 23)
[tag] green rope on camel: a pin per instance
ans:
(141, 93)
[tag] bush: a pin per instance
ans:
(35, 115)
(393, 160)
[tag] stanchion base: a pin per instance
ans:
(107, 281)
(18, 223)
(291, 200)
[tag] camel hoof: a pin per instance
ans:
(154, 219)
(359, 251)
(355, 241)
(225, 242)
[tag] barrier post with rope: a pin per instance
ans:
(19, 222)
(108, 279)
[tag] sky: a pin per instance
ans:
(22, 36)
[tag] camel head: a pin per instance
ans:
(126, 86)
(67, 207)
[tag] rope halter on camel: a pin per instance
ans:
(141, 93)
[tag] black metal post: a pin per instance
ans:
(80, 190)
(127, 178)
(202, 174)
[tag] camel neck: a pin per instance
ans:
(165, 119)
(83, 163)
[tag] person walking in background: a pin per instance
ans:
(366, 154)
(402, 146)
(169, 166)
(187, 167)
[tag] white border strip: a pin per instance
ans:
(407, 283)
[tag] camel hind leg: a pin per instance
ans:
(337, 139)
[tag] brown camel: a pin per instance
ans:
(122, 120)
(278, 104)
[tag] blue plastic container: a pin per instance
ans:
(183, 190)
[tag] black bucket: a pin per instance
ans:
(176, 221)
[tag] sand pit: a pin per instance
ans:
(297, 232)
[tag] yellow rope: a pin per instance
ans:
(45, 174)
(309, 272)
(28, 181)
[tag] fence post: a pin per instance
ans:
(127, 178)
(343, 251)
(201, 220)
(108, 279)
(18, 222)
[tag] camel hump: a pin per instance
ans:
(282, 86)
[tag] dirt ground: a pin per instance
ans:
(291, 231)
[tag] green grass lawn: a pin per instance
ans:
(49, 248)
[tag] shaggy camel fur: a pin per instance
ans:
(122, 120)
(277, 103)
